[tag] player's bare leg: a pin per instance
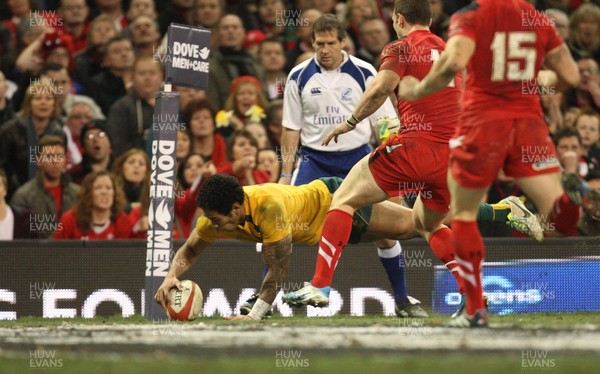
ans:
(391, 221)
(558, 212)
(469, 251)
(358, 189)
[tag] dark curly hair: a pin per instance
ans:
(219, 192)
(196, 106)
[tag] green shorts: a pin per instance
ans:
(361, 218)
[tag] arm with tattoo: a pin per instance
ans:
(277, 258)
(375, 95)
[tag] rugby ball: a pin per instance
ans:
(186, 304)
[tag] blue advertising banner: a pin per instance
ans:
(529, 286)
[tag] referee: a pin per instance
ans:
(320, 93)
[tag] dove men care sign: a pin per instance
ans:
(161, 213)
(186, 63)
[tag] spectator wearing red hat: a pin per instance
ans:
(252, 42)
(229, 60)
(58, 47)
(74, 14)
(245, 104)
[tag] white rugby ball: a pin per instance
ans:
(186, 304)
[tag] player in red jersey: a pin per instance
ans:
(503, 45)
(414, 161)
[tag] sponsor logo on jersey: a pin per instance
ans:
(315, 91)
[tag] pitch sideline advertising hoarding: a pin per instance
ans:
(89, 278)
(529, 286)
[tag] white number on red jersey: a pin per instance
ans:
(502, 69)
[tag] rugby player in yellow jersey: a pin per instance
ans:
(277, 216)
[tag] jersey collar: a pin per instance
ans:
(345, 59)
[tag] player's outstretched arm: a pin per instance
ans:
(183, 261)
(277, 258)
(457, 54)
(561, 62)
(379, 90)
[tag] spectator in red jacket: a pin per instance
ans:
(242, 151)
(98, 211)
(200, 118)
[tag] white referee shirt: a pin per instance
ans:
(315, 100)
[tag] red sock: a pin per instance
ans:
(335, 236)
(469, 251)
(441, 244)
(564, 215)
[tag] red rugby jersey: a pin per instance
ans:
(68, 229)
(512, 39)
(433, 117)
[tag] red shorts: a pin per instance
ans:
(409, 165)
(481, 147)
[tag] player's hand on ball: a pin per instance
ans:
(407, 88)
(162, 295)
(340, 129)
(240, 318)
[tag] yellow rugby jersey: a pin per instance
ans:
(273, 211)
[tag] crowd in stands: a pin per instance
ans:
(77, 94)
